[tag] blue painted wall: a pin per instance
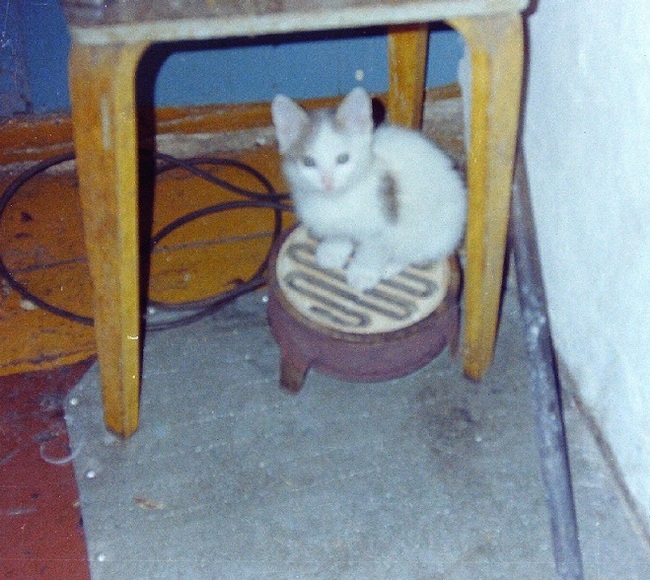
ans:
(211, 73)
(14, 86)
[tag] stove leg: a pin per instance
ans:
(292, 372)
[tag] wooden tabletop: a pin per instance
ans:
(134, 21)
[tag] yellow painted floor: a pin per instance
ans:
(41, 242)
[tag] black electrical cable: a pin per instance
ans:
(270, 199)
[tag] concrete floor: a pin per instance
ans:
(428, 476)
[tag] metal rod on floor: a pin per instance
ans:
(544, 382)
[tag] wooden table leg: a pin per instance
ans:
(102, 86)
(407, 62)
(496, 48)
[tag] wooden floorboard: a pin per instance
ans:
(41, 237)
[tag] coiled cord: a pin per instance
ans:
(270, 199)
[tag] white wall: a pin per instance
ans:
(587, 144)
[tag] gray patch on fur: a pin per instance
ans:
(390, 197)
(317, 119)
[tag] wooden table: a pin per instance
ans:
(109, 39)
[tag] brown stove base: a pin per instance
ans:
(305, 344)
(358, 358)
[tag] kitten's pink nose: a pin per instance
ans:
(328, 182)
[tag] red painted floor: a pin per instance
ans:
(41, 532)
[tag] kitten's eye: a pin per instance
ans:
(343, 158)
(309, 161)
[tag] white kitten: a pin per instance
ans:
(388, 198)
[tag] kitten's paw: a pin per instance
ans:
(333, 253)
(363, 278)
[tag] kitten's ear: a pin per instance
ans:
(355, 111)
(289, 119)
